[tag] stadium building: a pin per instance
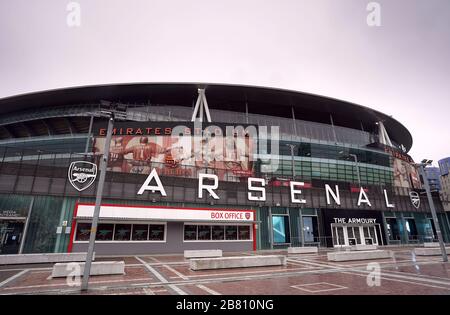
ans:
(333, 173)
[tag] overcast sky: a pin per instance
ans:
(401, 68)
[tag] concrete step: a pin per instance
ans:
(237, 262)
(97, 268)
(203, 253)
(358, 255)
(303, 250)
(364, 247)
(430, 251)
(41, 258)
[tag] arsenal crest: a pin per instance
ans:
(415, 199)
(247, 215)
(82, 174)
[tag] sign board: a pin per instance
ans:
(166, 213)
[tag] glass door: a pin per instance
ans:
(370, 235)
(10, 236)
(339, 238)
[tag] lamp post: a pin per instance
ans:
(421, 167)
(292, 147)
(355, 158)
(111, 111)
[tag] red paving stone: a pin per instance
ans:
(353, 284)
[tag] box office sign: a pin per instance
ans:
(166, 213)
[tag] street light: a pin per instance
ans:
(421, 167)
(292, 147)
(112, 111)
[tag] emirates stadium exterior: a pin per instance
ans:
(310, 171)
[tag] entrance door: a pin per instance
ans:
(10, 236)
(370, 235)
(339, 238)
(351, 235)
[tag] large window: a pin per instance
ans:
(204, 232)
(280, 229)
(140, 232)
(193, 232)
(121, 232)
(83, 232)
(244, 232)
(190, 232)
(218, 232)
(105, 232)
(231, 232)
(156, 232)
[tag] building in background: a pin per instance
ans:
(444, 167)
(433, 176)
(340, 174)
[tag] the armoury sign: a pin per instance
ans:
(355, 220)
(82, 174)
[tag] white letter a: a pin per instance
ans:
(159, 187)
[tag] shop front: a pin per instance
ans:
(344, 228)
(147, 229)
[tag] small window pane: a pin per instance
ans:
(122, 232)
(83, 232)
(231, 232)
(105, 232)
(156, 232)
(140, 232)
(204, 232)
(190, 232)
(244, 232)
(218, 232)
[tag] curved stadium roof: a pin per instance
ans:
(260, 100)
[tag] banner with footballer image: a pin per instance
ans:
(179, 149)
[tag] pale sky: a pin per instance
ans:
(325, 47)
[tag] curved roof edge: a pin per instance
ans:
(238, 92)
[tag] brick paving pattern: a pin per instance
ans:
(305, 274)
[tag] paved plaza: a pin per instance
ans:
(305, 274)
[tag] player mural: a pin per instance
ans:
(139, 150)
(405, 175)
